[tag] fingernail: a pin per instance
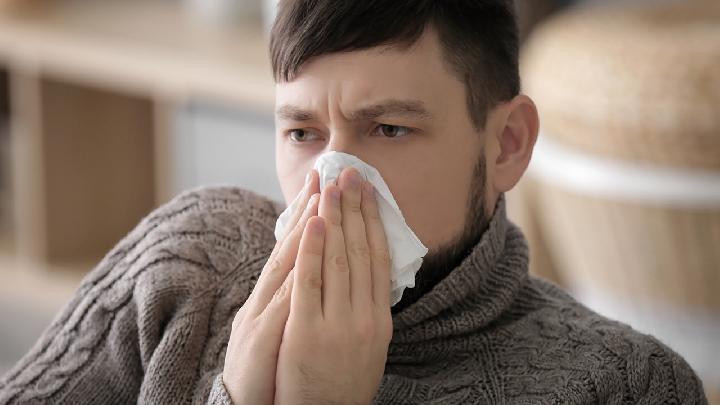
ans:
(307, 177)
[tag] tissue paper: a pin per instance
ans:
(406, 250)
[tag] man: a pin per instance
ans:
(200, 304)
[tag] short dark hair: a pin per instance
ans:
(479, 39)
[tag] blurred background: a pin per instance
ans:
(110, 108)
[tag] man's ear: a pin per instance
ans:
(516, 136)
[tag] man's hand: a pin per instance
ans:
(335, 342)
(252, 352)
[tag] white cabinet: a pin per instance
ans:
(216, 145)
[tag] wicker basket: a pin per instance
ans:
(644, 254)
(641, 84)
(643, 257)
(628, 214)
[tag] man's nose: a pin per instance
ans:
(343, 141)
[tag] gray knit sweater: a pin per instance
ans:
(151, 322)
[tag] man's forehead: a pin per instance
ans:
(423, 56)
(369, 76)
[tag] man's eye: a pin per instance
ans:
(393, 131)
(300, 135)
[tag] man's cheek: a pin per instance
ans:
(291, 184)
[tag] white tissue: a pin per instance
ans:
(406, 250)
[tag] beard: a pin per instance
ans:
(438, 263)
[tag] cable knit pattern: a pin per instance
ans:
(150, 324)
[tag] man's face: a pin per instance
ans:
(399, 110)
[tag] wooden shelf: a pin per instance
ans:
(147, 46)
(93, 90)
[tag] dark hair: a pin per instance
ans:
(479, 39)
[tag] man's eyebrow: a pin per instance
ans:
(392, 107)
(293, 113)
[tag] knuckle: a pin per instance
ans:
(383, 257)
(280, 294)
(284, 290)
(313, 281)
(340, 262)
(275, 250)
(359, 249)
(353, 208)
(273, 266)
(259, 328)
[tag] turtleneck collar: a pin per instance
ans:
(470, 297)
(473, 294)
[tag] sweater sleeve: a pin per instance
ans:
(669, 379)
(218, 393)
(89, 353)
(150, 322)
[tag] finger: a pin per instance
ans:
(307, 295)
(239, 316)
(312, 186)
(379, 251)
(271, 322)
(335, 270)
(266, 329)
(356, 244)
(276, 268)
